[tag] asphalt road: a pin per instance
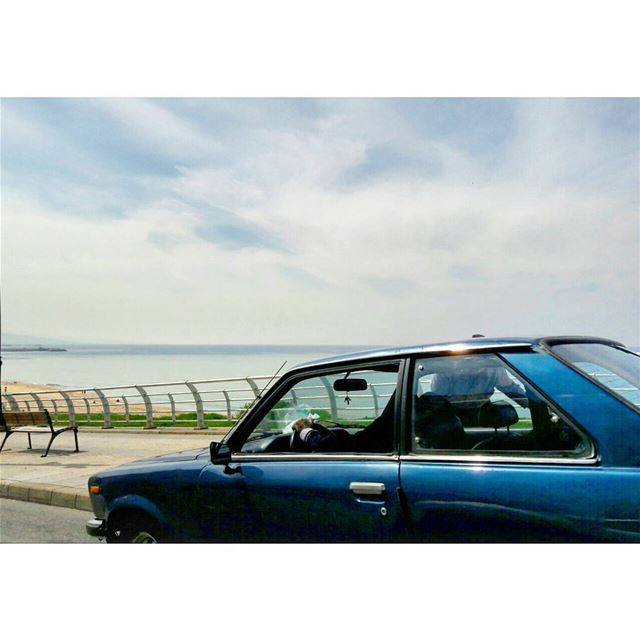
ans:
(31, 522)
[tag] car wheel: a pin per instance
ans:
(134, 530)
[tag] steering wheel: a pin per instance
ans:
(296, 444)
(482, 443)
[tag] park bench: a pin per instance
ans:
(32, 422)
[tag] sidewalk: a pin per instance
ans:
(61, 478)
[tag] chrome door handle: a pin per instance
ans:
(367, 488)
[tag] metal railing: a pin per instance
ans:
(198, 404)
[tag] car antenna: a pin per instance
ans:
(265, 386)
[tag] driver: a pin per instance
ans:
(376, 438)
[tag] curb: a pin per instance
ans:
(50, 494)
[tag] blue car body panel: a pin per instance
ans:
(502, 502)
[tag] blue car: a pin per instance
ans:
(491, 440)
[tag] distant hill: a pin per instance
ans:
(20, 339)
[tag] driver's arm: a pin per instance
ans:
(312, 438)
(512, 389)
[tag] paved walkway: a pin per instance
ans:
(61, 478)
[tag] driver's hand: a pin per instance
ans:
(301, 424)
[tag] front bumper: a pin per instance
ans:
(97, 528)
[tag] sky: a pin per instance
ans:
(319, 221)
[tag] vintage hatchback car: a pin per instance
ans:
(481, 440)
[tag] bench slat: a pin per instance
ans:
(26, 418)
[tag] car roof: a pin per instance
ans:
(467, 345)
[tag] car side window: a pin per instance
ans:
(476, 404)
(353, 411)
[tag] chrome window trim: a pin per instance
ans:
(412, 457)
(294, 457)
(443, 348)
(504, 459)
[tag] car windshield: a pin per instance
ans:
(617, 369)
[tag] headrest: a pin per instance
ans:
(429, 404)
(497, 414)
(436, 423)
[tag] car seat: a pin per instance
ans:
(499, 415)
(436, 425)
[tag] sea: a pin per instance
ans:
(98, 365)
(88, 366)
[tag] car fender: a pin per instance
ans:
(139, 503)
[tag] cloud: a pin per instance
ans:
(233, 235)
(391, 287)
(380, 221)
(301, 278)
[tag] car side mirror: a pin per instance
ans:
(350, 384)
(220, 453)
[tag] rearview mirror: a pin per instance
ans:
(350, 384)
(220, 453)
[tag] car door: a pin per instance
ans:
(339, 495)
(329, 500)
(528, 472)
